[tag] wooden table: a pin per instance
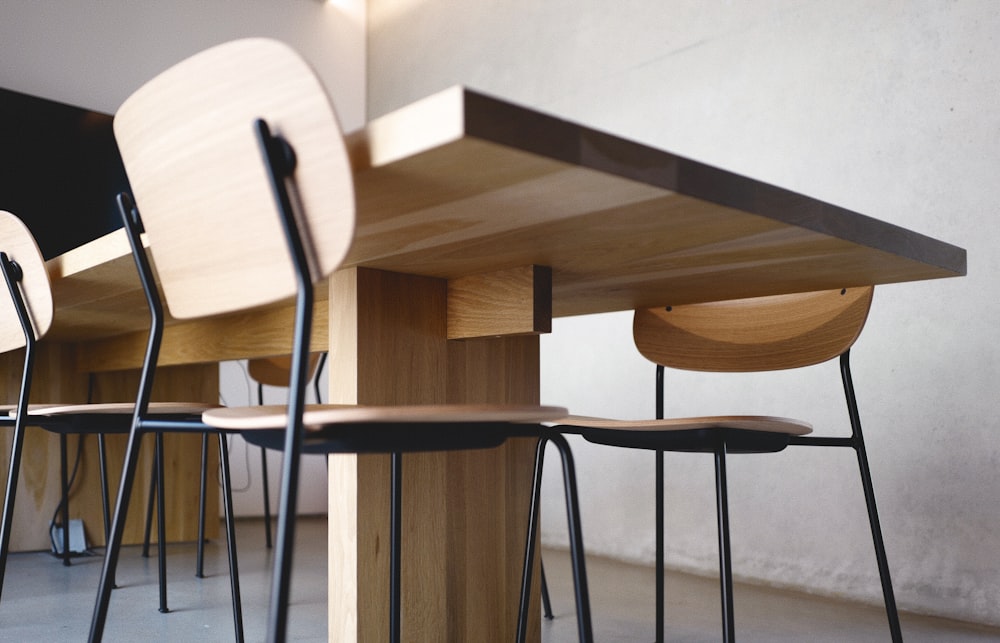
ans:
(477, 222)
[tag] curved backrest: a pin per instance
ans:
(276, 371)
(193, 162)
(758, 334)
(19, 245)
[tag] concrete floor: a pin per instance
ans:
(623, 611)
(45, 601)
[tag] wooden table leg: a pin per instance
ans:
(465, 512)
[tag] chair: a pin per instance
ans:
(25, 317)
(18, 240)
(759, 334)
(28, 310)
(237, 217)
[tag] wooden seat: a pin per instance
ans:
(748, 335)
(243, 187)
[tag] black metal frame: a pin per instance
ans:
(143, 423)
(12, 275)
(720, 446)
(577, 552)
(857, 442)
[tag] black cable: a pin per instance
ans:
(69, 489)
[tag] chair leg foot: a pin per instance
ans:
(546, 600)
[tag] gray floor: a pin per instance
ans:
(44, 601)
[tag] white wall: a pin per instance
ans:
(95, 53)
(886, 108)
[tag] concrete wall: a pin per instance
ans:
(887, 108)
(95, 53)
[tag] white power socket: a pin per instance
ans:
(77, 537)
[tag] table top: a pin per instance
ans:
(461, 183)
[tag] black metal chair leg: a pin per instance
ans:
(16, 448)
(150, 503)
(234, 577)
(546, 600)
(114, 543)
(660, 554)
(64, 481)
(661, 594)
(265, 479)
(530, 542)
(883, 561)
(161, 524)
(725, 561)
(105, 501)
(858, 440)
(395, 547)
(576, 549)
(575, 534)
(105, 496)
(199, 570)
(267, 497)
(285, 542)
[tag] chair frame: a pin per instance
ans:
(721, 442)
(142, 423)
(12, 275)
(855, 441)
(80, 424)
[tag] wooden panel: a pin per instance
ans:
(761, 334)
(492, 486)
(198, 177)
(396, 352)
(39, 489)
(623, 225)
(510, 302)
(259, 333)
(20, 247)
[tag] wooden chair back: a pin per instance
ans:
(758, 334)
(193, 162)
(276, 370)
(19, 245)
